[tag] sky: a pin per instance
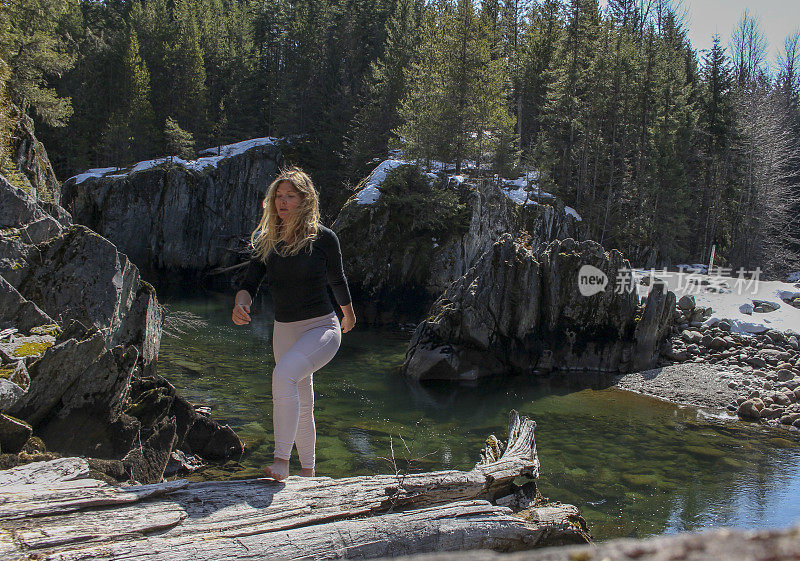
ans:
(704, 18)
(778, 18)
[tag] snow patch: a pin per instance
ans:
(793, 277)
(572, 212)
(97, 172)
(519, 196)
(368, 195)
(524, 191)
(230, 150)
(370, 192)
(696, 268)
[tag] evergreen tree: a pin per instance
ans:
(226, 40)
(188, 95)
(379, 114)
(455, 109)
(568, 103)
(674, 126)
(717, 123)
(540, 44)
(35, 47)
(117, 140)
(178, 141)
(135, 100)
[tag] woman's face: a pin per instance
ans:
(287, 199)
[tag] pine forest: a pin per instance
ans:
(666, 151)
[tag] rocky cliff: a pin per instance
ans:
(522, 310)
(175, 215)
(35, 173)
(407, 235)
(79, 338)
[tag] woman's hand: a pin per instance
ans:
(241, 308)
(349, 319)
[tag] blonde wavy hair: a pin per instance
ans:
(303, 223)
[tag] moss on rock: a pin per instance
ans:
(32, 348)
(52, 329)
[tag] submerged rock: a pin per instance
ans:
(523, 311)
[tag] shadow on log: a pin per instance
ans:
(51, 510)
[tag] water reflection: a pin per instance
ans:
(634, 466)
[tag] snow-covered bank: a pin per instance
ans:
(522, 191)
(209, 158)
(736, 299)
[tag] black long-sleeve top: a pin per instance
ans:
(298, 282)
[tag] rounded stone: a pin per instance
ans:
(686, 302)
(781, 399)
(771, 413)
(790, 419)
(750, 410)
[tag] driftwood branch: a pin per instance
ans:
(223, 270)
(299, 518)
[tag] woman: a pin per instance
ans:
(299, 257)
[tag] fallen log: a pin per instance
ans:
(716, 545)
(299, 518)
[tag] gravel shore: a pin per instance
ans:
(693, 383)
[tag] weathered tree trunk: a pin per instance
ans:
(717, 545)
(51, 511)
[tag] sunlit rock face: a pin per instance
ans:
(36, 173)
(79, 339)
(407, 235)
(524, 311)
(172, 215)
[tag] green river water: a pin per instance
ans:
(634, 466)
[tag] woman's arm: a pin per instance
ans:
(247, 290)
(338, 282)
(241, 308)
(349, 319)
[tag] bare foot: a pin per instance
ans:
(306, 472)
(279, 469)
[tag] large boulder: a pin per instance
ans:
(78, 329)
(520, 310)
(172, 215)
(407, 235)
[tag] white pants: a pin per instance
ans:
(300, 348)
